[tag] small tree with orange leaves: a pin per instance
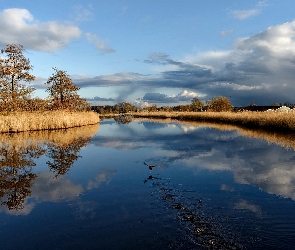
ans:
(63, 92)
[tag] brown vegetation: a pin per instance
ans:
(30, 121)
(20, 112)
(266, 120)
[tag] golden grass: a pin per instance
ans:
(47, 120)
(60, 137)
(266, 120)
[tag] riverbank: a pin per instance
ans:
(284, 121)
(47, 120)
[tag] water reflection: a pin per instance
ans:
(62, 157)
(263, 163)
(18, 155)
(123, 119)
(16, 177)
(169, 185)
(198, 228)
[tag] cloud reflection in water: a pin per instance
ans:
(21, 187)
(258, 158)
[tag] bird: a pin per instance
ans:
(149, 166)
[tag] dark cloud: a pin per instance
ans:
(161, 59)
(157, 97)
(186, 72)
(119, 79)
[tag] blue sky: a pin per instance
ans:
(159, 52)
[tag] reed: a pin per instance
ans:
(47, 120)
(266, 120)
(60, 137)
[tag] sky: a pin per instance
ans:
(162, 52)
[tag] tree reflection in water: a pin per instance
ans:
(18, 153)
(63, 156)
(16, 174)
(123, 119)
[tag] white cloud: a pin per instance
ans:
(263, 3)
(28, 207)
(189, 94)
(104, 176)
(46, 188)
(83, 13)
(235, 86)
(185, 96)
(100, 45)
(270, 175)
(226, 33)
(278, 41)
(244, 14)
(244, 205)
(19, 26)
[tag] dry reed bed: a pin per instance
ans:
(49, 120)
(266, 120)
(61, 137)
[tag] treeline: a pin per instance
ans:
(16, 96)
(217, 104)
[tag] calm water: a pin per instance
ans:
(147, 185)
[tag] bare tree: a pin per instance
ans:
(63, 92)
(14, 73)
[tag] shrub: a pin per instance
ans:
(220, 104)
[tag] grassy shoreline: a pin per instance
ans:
(284, 121)
(47, 120)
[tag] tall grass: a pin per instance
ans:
(47, 120)
(266, 120)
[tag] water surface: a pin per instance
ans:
(147, 184)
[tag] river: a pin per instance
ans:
(147, 184)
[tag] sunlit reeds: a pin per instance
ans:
(47, 120)
(58, 137)
(266, 120)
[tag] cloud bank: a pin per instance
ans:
(258, 69)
